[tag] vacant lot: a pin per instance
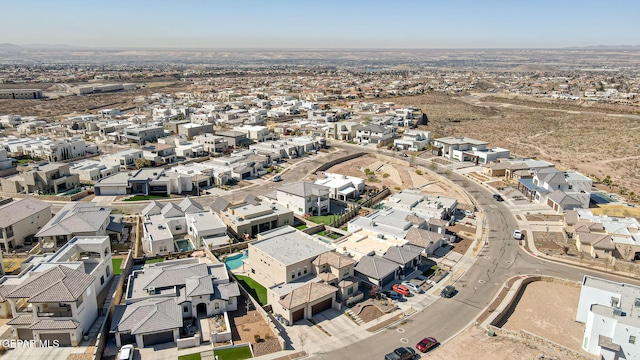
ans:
(595, 144)
(552, 319)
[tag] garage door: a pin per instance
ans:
(63, 339)
(321, 306)
(159, 338)
(297, 315)
(25, 334)
(127, 339)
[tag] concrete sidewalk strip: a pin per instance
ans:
(453, 278)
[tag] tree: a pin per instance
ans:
(142, 163)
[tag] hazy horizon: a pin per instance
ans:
(330, 25)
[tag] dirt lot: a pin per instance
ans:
(248, 324)
(552, 243)
(397, 176)
(591, 143)
(553, 318)
(556, 324)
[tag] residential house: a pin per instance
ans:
(163, 223)
(607, 309)
(125, 159)
(159, 153)
(213, 144)
(377, 270)
(90, 171)
(53, 303)
(425, 239)
(409, 257)
(160, 298)
(145, 181)
(257, 133)
(304, 197)
(344, 130)
(560, 190)
(282, 260)
(342, 187)
(466, 149)
(141, 134)
(53, 178)
(190, 130)
(206, 229)
(20, 220)
(248, 219)
(413, 140)
(235, 138)
(375, 134)
(78, 219)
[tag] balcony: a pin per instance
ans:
(62, 312)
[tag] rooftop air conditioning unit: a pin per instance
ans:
(151, 290)
(373, 223)
(380, 236)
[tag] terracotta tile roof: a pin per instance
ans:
(21, 320)
(54, 325)
(151, 315)
(58, 284)
(333, 259)
(307, 294)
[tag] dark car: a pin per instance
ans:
(448, 291)
(392, 295)
(498, 197)
(427, 344)
(403, 353)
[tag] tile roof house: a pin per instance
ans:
(78, 219)
(377, 270)
(20, 220)
(304, 197)
(160, 296)
(409, 257)
(57, 303)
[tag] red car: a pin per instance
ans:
(426, 344)
(401, 289)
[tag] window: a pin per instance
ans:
(230, 302)
(185, 308)
(286, 221)
(178, 227)
(108, 271)
(253, 271)
(80, 300)
(299, 209)
(350, 290)
(345, 272)
(216, 306)
(305, 269)
(632, 339)
(299, 271)
(101, 280)
(293, 274)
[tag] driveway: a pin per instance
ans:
(44, 353)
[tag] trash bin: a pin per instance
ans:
(491, 333)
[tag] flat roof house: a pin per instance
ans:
(20, 220)
(249, 219)
(304, 197)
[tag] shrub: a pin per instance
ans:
(419, 172)
(397, 188)
(256, 338)
(385, 175)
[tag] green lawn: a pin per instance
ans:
(154, 261)
(146, 197)
(326, 219)
(256, 290)
(190, 357)
(117, 262)
(329, 234)
(239, 353)
(301, 227)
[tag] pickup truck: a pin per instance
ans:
(403, 353)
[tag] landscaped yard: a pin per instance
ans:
(326, 219)
(146, 197)
(329, 234)
(195, 356)
(116, 262)
(256, 290)
(239, 353)
(301, 227)
(152, 261)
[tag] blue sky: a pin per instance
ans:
(322, 24)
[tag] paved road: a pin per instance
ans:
(500, 260)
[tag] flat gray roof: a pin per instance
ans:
(288, 245)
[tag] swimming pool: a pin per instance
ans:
(235, 261)
(601, 198)
(184, 245)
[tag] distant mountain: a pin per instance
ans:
(8, 46)
(605, 47)
(52, 47)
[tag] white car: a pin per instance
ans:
(126, 352)
(468, 213)
(518, 235)
(412, 287)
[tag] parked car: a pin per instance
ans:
(403, 353)
(427, 344)
(392, 295)
(518, 235)
(401, 289)
(468, 213)
(448, 291)
(276, 178)
(413, 287)
(498, 197)
(126, 352)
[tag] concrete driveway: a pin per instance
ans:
(36, 353)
